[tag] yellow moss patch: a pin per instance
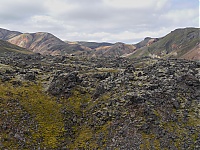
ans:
(42, 108)
(84, 139)
(146, 142)
(75, 102)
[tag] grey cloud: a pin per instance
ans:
(87, 19)
(19, 10)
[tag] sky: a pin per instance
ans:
(127, 21)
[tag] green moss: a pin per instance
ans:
(149, 141)
(157, 113)
(84, 136)
(103, 130)
(43, 108)
(157, 144)
(146, 140)
(84, 139)
(76, 101)
(105, 97)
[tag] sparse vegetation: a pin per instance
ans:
(44, 110)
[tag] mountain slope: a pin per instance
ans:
(116, 50)
(93, 45)
(42, 42)
(146, 42)
(180, 43)
(176, 44)
(6, 34)
(193, 54)
(8, 47)
(45, 43)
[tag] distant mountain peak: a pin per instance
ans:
(41, 42)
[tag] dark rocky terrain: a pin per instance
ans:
(65, 102)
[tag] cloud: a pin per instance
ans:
(178, 16)
(135, 4)
(99, 20)
(13, 10)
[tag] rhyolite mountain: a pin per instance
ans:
(107, 49)
(180, 43)
(91, 45)
(45, 43)
(115, 50)
(42, 42)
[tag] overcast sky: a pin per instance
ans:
(126, 21)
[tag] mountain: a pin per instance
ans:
(146, 42)
(42, 42)
(94, 45)
(193, 54)
(180, 43)
(6, 34)
(115, 50)
(48, 44)
(8, 47)
(45, 43)
(106, 49)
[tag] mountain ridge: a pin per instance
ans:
(7, 34)
(177, 44)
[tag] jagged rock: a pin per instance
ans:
(62, 84)
(129, 69)
(30, 76)
(99, 91)
(5, 78)
(101, 76)
(134, 98)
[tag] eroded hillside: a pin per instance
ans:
(180, 43)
